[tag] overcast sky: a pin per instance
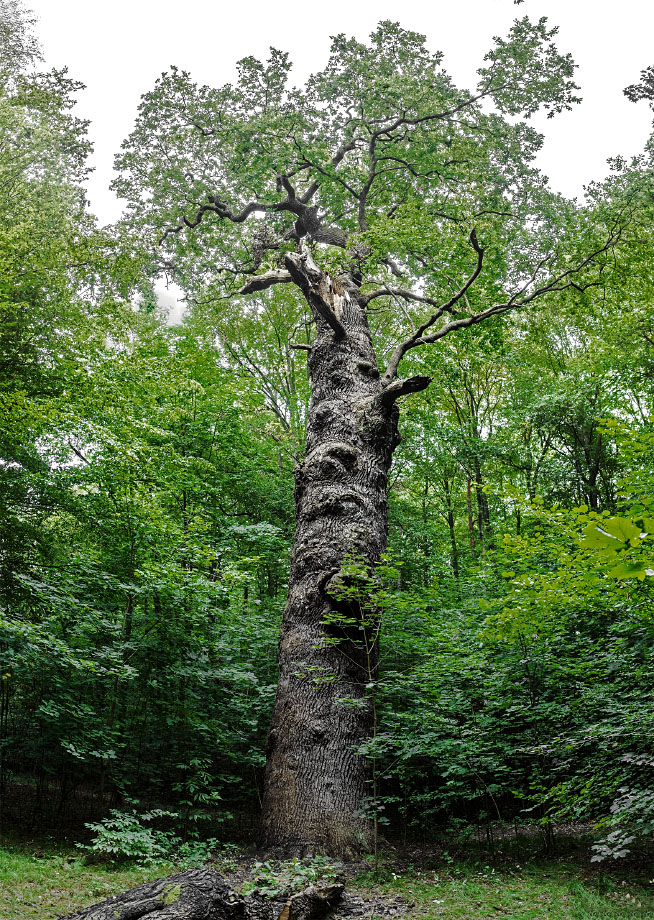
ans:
(119, 47)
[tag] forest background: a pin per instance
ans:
(146, 519)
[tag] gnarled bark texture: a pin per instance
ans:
(198, 894)
(316, 781)
(203, 894)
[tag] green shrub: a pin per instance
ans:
(123, 836)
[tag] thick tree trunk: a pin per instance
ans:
(316, 779)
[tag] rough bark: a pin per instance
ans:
(203, 894)
(198, 894)
(316, 780)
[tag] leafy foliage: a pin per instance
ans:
(145, 470)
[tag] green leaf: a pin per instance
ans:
(613, 533)
(629, 570)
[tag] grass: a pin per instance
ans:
(39, 882)
(38, 885)
(542, 891)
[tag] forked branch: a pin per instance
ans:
(416, 338)
(263, 282)
(557, 282)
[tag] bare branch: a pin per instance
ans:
(205, 132)
(328, 175)
(336, 159)
(283, 182)
(307, 217)
(434, 116)
(78, 453)
(559, 282)
(403, 387)
(398, 292)
(219, 207)
(417, 336)
(215, 206)
(262, 282)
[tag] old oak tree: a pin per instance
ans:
(399, 209)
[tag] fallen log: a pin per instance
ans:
(203, 894)
(198, 894)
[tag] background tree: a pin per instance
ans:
(114, 546)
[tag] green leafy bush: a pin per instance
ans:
(632, 811)
(123, 835)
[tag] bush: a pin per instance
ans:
(123, 836)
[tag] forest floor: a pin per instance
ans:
(40, 881)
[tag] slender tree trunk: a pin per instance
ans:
(471, 520)
(450, 526)
(316, 779)
(593, 491)
(483, 513)
(426, 543)
(531, 486)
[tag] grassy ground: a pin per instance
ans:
(38, 885)
(536, 892)
(41, 883)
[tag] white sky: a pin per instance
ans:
(119, 47)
